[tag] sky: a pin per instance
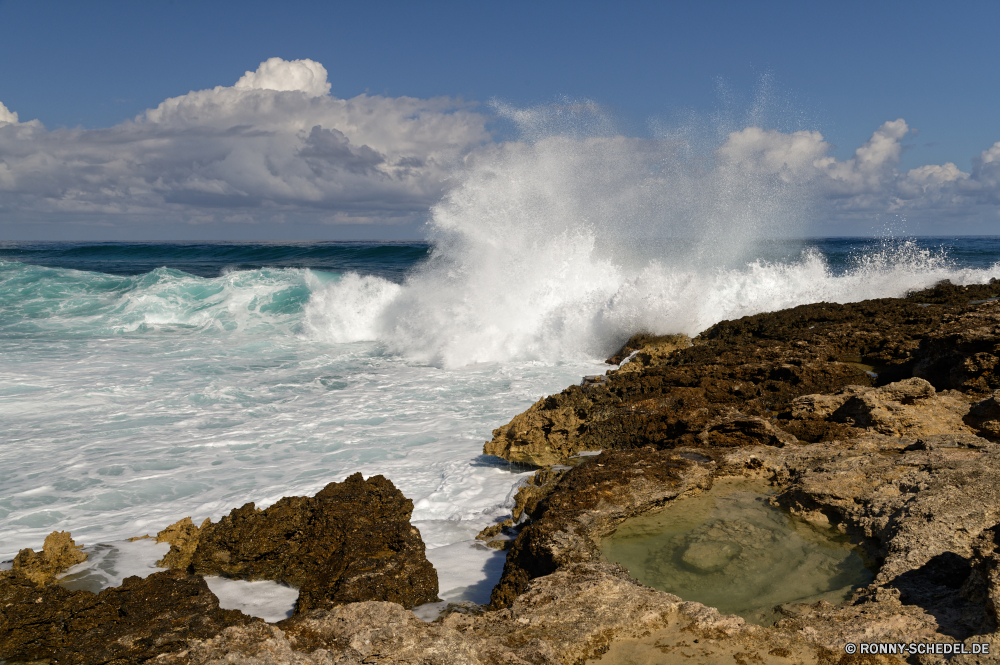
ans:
(251, 120)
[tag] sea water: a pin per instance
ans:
(140, 383)
(729, 548)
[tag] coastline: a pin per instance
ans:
(861, 416)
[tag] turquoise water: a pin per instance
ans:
(142, 383)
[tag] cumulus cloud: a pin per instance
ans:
(305, 76)
(7, 115)
(870, 181)
(277, 145)
(791, 156)
(273, 143)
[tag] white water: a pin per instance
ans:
(129, 403)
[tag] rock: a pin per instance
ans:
(585, 611)
(59, 552)
(495, 529)
(183, 537)
(643, 350)
(131, 623)
(546, 433)
(710, 556)
(908, 407)
(652, 344)
(586, 503)
(984, 416)
(739, 430)
(534, 490)
(351, 542)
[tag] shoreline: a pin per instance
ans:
(902, 389)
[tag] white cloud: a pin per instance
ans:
(7, 115)
(305, 76)
(276, 145)
(791, 156)
(869, 182)
(275, 142)
(986, 171)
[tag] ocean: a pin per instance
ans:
(142, 383)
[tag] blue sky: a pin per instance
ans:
(839, 69)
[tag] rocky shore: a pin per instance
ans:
(879, 420)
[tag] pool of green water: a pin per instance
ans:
(729, 548)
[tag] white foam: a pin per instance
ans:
(467, 572)
(108, 564)
(268, 600)
(348, 309)
(561, 247)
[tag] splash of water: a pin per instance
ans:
(560, 245)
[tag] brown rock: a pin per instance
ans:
(738, 430)
(582, 612)
(351, 542)
(648, 350)
(59, 552)
(495, 529)
(760, 365)
(587, 502)
(984, 416)
(546, 433)
(905, 408)
(183, 537)
(128, 624)
(535, 488)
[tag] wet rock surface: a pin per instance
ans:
(740, 373)
(351, 542)
(59, 552)
(132, 623)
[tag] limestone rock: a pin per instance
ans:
(580, 612)
(183, 537)
(544, 434)
(131, 623)
(588, 501)
(534, 490)
(905, 408)
(644, 350)
(744, 431)
(710, 556)
(351, 542)
(59, 552)
(984, 416)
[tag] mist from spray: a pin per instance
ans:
(559, 245)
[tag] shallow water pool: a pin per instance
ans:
(729, 548)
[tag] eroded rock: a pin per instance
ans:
(131, 623)
(984, 416)
(574, 614)
(761, 367)
(59, 552)
(183, 537)
(587, 502)
(351, 542)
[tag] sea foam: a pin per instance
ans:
(556, 248)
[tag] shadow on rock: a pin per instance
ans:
(351, 542)
(935, 588)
